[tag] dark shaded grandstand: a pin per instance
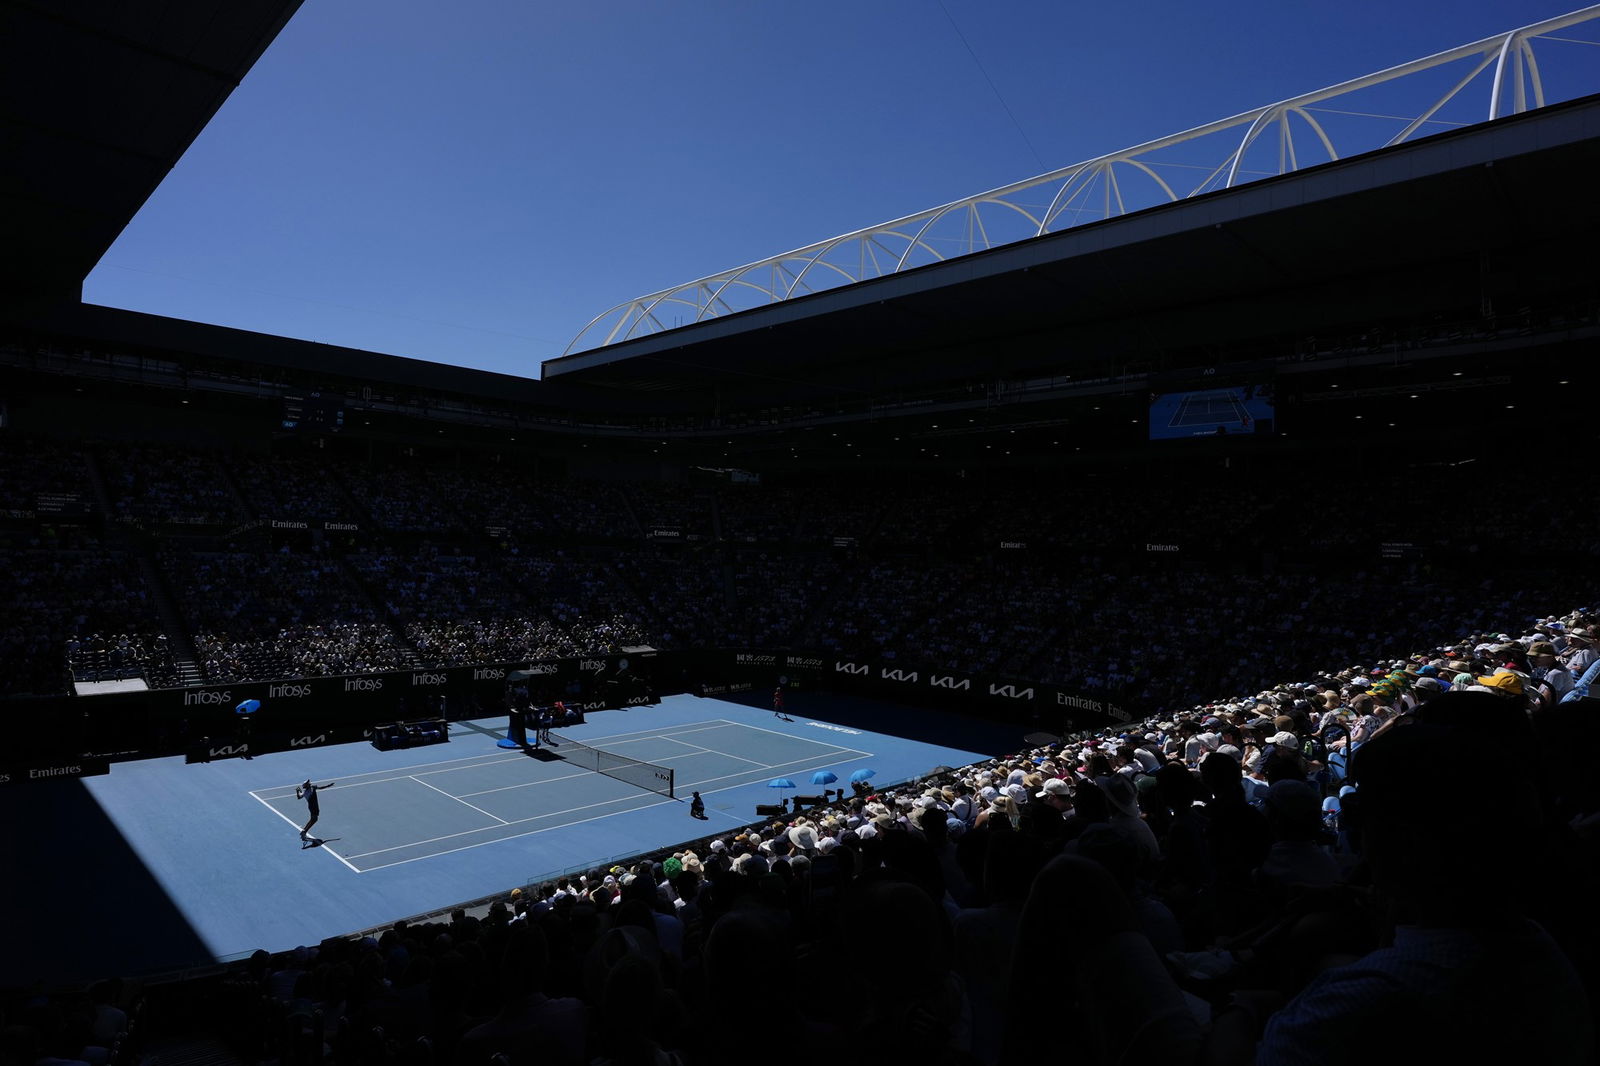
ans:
(945, 474)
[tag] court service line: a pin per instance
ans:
(712, 751)
(525, 784)
(399, 773)
(550, 828)
(565, 810)
(804, 740)
(296, 828)
(657, 732)
(461, 801)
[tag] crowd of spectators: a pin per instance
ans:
(290, 488)
(882, 599)
(812, 517)
(685, 508)
(160, 486)
(404, 499)
(775, 594)
(82, 609)
(472, 564)
(683, 589)
(259, 615)
(529, 507)
(459, 609)
(35, 466)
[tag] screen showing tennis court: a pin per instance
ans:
(1230, 411)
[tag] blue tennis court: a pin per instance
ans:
(204, 861)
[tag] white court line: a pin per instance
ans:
(547, 829)
(791, 736)
(461, 801)
(525, 784)
(713, 751)
(400, 772)
(553, 814)
(670, 731)
(296, 828)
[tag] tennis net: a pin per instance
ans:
(633, 771)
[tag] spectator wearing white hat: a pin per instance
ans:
(1581, 652)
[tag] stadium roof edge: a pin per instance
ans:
(108, 98)
(117, 328)
(834, 331)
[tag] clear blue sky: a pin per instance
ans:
(470, 182)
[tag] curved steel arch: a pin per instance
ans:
(1516, 74)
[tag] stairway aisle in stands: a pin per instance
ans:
(184, 657)
(633, 516)
(380, 609)
(247, 510)
(97, 482)
(805, 634)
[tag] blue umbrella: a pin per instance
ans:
(824, 777)
(781, 782)
(862, 775)
(248, 707)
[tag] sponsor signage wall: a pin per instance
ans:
(925, 683)
(300, 523)
(53, 770)
(1010, 697)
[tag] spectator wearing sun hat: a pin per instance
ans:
(1548, 670)
(1580, 653)
(803, 838)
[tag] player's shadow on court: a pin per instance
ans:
(317, 842)
(542, 754)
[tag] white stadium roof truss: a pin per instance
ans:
(1474, 83)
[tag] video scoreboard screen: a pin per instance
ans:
(314, 412)
(1233, 410)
